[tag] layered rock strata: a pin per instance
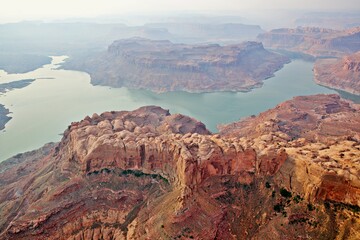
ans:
(342, 74)
(162, 66)
(291, 172)
(318, 42)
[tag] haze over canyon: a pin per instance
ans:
(179, 120)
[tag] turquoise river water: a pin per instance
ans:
(41, 111)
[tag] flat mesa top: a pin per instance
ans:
(165, 50)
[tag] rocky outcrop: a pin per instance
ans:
(320, 134)
(342, 74)
(4, 87)
(4, 118)
(163, 66)
(319, 118)
(147, 174)
(21, 63)
(318, 42)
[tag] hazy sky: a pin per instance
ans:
(11, 10)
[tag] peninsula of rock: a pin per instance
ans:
(291, 172)
(4, 87)
(342, 74)
(314, 41)
(163, 66)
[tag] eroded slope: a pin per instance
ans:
(343, 74)
(163, 66)
(147, 174)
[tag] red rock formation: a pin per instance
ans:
(313, 41)
(325, 133)
(343, 74)
(163, 66)
(147, 174)
(319, 118)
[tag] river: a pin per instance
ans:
(41, 111)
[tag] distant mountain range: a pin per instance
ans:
(318, 42)
(70, 38)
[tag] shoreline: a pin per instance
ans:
(4, 118)
(208, 107)
(22, 63)
(244, 89)
(321, 80)
(6, 87)
(240, 68)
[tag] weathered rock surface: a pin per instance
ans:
(147, 174)
(320, 130)
(318, 118)
(163, 66)
(3, 116)
(318, 42)
(343, 74)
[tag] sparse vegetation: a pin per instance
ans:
(138, 173)
(297, 199)
(299, 220)
(185, 233)
(285, 193)
(105, 170)
(273, 194)
(95, 225)
(237, 185)
(279, 207)
(310, 207)
(226, 198)
(341, 206)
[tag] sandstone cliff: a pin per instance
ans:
(318, 42)
(163, 66)
(319, 133)
(290, 173)
(343, 74)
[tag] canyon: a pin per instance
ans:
(163, 66)
(314, 41)
(343, 74)
(291, 172)
(336, 53)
